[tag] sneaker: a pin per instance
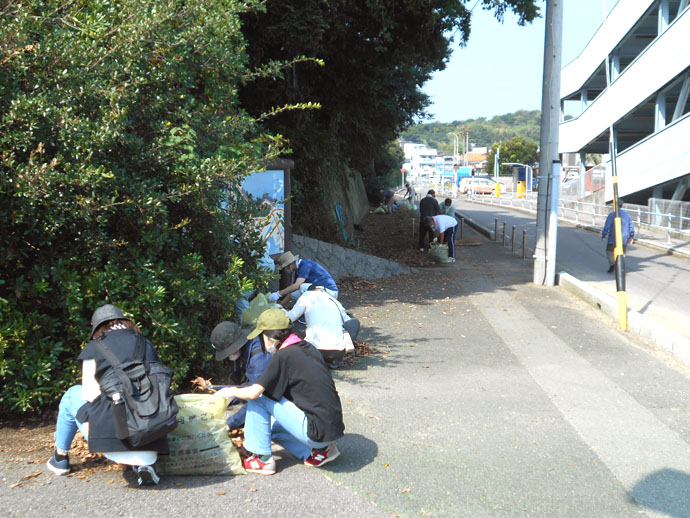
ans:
(147, 475)
(421, 249)
(319, 458)
(59, 467)
(612, 268)
(254, 464)
(302, 321)
(451, 259)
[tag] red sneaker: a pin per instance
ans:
(319, 458)
(254, 464)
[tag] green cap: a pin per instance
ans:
(270, 320)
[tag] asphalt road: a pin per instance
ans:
(657, 284)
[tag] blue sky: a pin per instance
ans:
(500, 69)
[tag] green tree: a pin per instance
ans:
(376, 54)
(517, 150)
(122, 138)
(482, 132)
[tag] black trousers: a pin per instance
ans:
(333, 359)
(423, 230)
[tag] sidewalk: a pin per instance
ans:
(489, 397)
(657, 284)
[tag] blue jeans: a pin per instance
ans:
(67, 424)
(279, 421)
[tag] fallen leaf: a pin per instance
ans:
(32, 475)
(220, 493)
(406, 490)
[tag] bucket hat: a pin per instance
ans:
(285, 260)
(227, 338)
(104, 314)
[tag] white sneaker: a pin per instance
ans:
(451, 259)
(421, 249)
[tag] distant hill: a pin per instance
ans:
(483, 132)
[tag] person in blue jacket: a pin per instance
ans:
(250, 360)
(310, 275)
(627, 235)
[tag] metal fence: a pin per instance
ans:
(666, 217)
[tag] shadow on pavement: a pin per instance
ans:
(667, 491)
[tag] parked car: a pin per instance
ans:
(480, 185)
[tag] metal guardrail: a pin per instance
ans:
(580, 212)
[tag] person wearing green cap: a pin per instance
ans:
(294, 403)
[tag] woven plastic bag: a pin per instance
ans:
(200, 444)
(258, 305)
(439, 252)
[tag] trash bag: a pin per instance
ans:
(258, 305)
(200, 444)
(380, 210)
(439, 252)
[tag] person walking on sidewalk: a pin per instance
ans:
(444, 228)
(294, 403)
(627, 235)
(86, 408)
(427, 207)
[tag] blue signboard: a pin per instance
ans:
(268, 188)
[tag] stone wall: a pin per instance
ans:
(344, 262)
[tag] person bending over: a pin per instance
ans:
(294, 403)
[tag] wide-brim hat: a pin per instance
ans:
(227, 338)
(270, 320)
(104, 314)
(285, 260)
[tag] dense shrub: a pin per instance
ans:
(121, 139)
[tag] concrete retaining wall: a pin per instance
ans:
(344, 262)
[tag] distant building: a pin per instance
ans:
(633, 76)
(421, 161)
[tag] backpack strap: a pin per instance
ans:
(116, 364)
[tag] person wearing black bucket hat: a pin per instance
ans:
(249, 357)
(294, 403)
(83, 408)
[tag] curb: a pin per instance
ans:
(673, 343)
(489, 234)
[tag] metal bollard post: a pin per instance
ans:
(496, 229)
(462, 227)
(512, 241)
(524, 244)
(504, 233)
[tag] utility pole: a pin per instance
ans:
(549, 164)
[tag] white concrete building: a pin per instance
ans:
(634, 76)
(421, 161)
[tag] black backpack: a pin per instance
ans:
(143, 405)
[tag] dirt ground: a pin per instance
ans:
(393, 236)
